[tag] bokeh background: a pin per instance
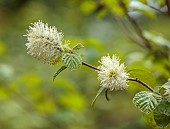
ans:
(29, 99)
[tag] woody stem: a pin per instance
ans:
(130, 79)
(90, 66)
(142, 83)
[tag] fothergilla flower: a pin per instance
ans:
(112, 73)
(44, 42)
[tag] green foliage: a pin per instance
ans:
(88, 6)
(115, 6)
(163, 108)
(164, 90)
(158, 39)
(166, 85)
(144, 75)
(77, 47)
(71, 60)
(147, 101)
(97, 95)
(59, 71)
(161, 120)
(162, 114)
(149, 119)
(156, 2)
(143, 8)
(27, 100)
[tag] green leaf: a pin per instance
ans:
(71, 60)
(162, 114)
(144, 75)
(166, 85)
(88, 7)
(157, 39)
(163, 108)
(136, 5)
(161, 120)
(164, 90)
(146, 101)
(59, 71)
(98, 93)
(77, 47)
(115, 6)
(149, 120)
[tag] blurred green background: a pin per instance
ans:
(29, 99)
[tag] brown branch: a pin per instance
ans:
(90, 66)
(140, 32)
(132, 36)
(135, 26)
(168, 6)
(157, 10)
(142, 83)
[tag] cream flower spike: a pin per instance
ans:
(112, 74)
(166, 88)
(44, 42)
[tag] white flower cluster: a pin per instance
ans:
(112, 74)
(44, 42)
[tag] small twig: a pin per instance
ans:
(132, 36)
(142, 83)
(157, 10)
(140, 32)
(136, 26)
(90, 66)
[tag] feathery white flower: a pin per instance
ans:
(167, 94)
(44, 42)
(112, 74)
